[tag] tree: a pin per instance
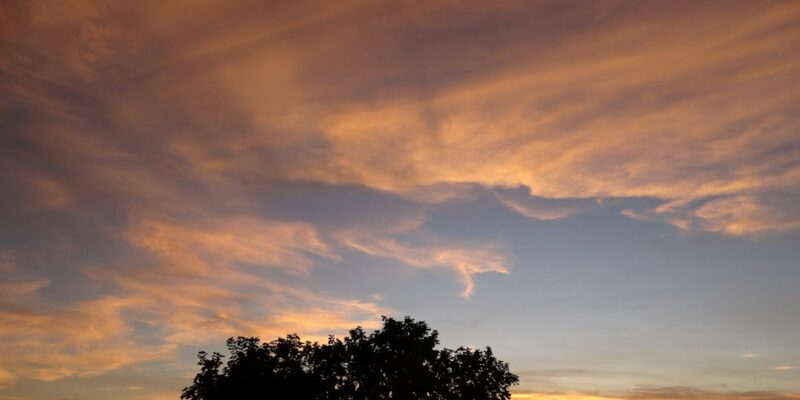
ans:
(399, 361)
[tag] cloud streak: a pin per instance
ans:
(193, 285)
(466, 260)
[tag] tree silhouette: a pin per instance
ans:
(398, 361)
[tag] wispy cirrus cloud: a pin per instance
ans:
(223, 292)
(194, 285)
(522, 202)
(83, 338)
(465, 259)
(224, 242)
(706, 123)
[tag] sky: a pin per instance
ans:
(607, 193)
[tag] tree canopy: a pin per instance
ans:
(398, 361)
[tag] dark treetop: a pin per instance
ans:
(398, 361)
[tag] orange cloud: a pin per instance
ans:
(232, 240)
(466, 260)
(700, 116)
(81, 339)
(603, 116)
(532, 208)
(201, 285)
(499, 130)
(221, 294)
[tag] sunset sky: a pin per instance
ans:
(607, 193)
